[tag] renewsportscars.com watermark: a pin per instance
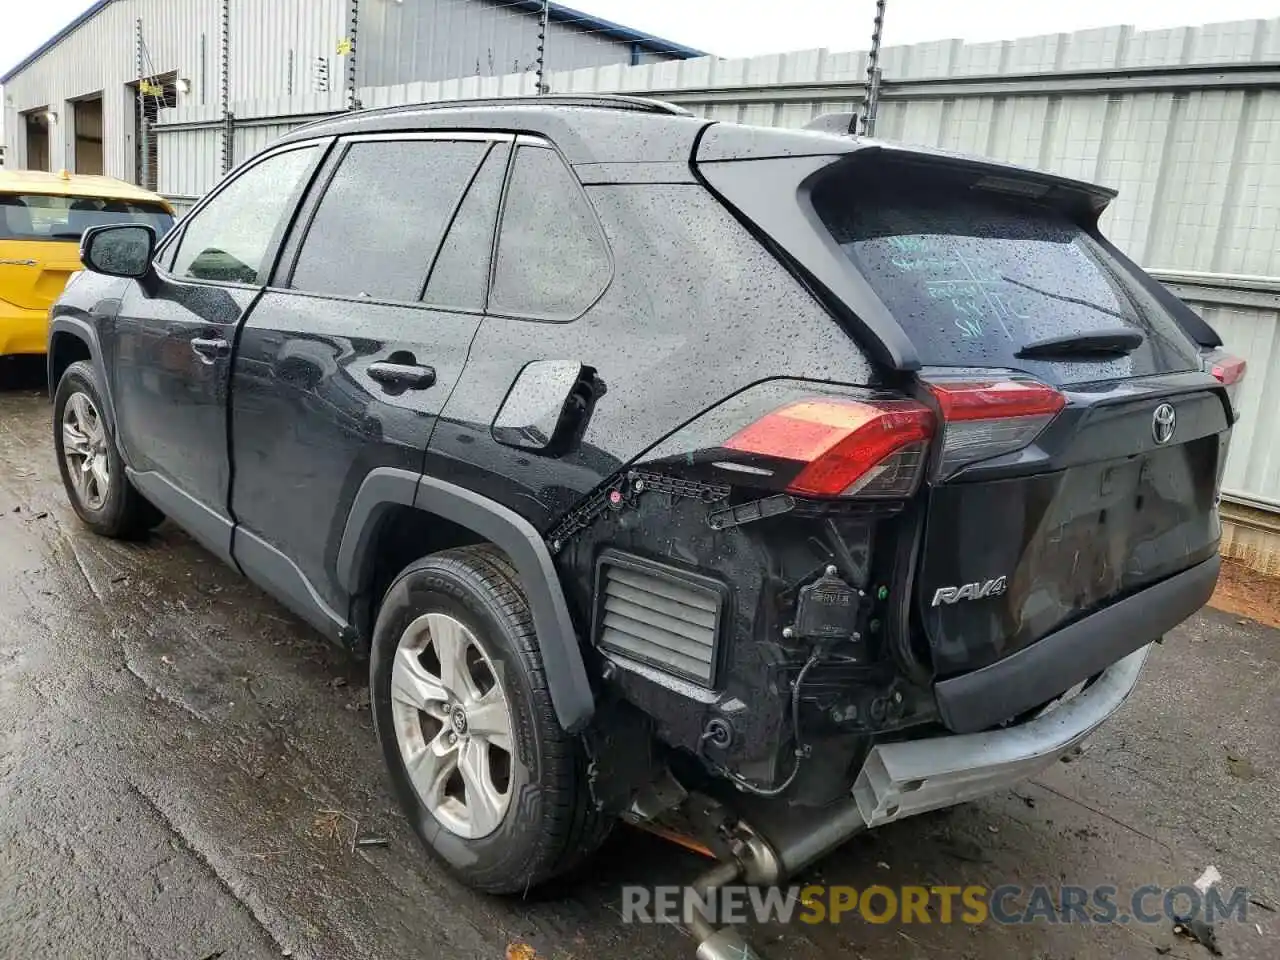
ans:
(1006, 904)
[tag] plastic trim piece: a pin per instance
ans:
(901, 779)
(269, 568)
(205, 524)
(571, 692)
(83, 331)
(1036, 674)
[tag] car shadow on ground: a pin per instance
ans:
(22, 373)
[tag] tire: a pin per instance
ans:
(109, 505)
(547, 823)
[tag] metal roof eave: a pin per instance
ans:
(587, 21)
(57, 38)
(555, 11)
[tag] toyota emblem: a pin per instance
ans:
(1163, 422)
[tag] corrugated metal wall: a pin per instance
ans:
(274, 47)
(181, 36)
(440, 39)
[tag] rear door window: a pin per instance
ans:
(460, 275)
(552, 258)
(383, 216)
(973, 276)
(46, 217)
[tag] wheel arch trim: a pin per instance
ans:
(82, 330)
(387, 487)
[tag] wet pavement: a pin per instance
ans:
(184, 767)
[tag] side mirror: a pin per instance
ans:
(119, 249)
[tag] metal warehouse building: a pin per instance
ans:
(87, 99)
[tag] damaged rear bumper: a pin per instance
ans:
(901, 779)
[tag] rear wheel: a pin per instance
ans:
(490, 782)
(91, 467)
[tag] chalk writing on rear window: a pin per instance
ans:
(979, 296)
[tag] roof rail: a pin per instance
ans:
(607, 101)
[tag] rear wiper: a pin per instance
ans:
(1065, 298)
(1097, 343)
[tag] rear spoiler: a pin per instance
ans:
(785, 165)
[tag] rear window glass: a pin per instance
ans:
(973, 276)
(41, 217)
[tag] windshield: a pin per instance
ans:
(43, 217)
(974, 276)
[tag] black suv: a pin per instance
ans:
(647, 457)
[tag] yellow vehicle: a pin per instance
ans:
(42, 216)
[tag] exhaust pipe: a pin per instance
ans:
(775, 845)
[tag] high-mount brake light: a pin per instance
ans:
(867, 448)
(987, 418)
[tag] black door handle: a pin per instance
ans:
(411, 376)
(210, 349)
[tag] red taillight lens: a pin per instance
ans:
(1227, 370)
(987, 418)
(869, 448)
(995, 399)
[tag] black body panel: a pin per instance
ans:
(171, 400)
(1095, 510)
(1031, 677)
(724, 315)
(309, 421)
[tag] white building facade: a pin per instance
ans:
(87, 100)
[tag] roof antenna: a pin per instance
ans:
(871, 99)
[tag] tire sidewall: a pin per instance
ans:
(80, 377)
(514, 846)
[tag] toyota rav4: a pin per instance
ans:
(756, 486)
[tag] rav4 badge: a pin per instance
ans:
(969, 591)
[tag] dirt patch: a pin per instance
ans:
(1247, 593)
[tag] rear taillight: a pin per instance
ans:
(1227, 370)
(844, 447)
(987, 418)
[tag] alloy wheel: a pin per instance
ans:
(453, 725)
(84, 446)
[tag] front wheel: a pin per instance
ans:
(90, 463)
(479, 763)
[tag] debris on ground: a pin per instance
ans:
(1207, 879)
(1193, 928)
(327, 825)
(517, 950)
(1238, 766)
(373, 842)
(361, 702)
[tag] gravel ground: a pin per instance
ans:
(184, 765)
